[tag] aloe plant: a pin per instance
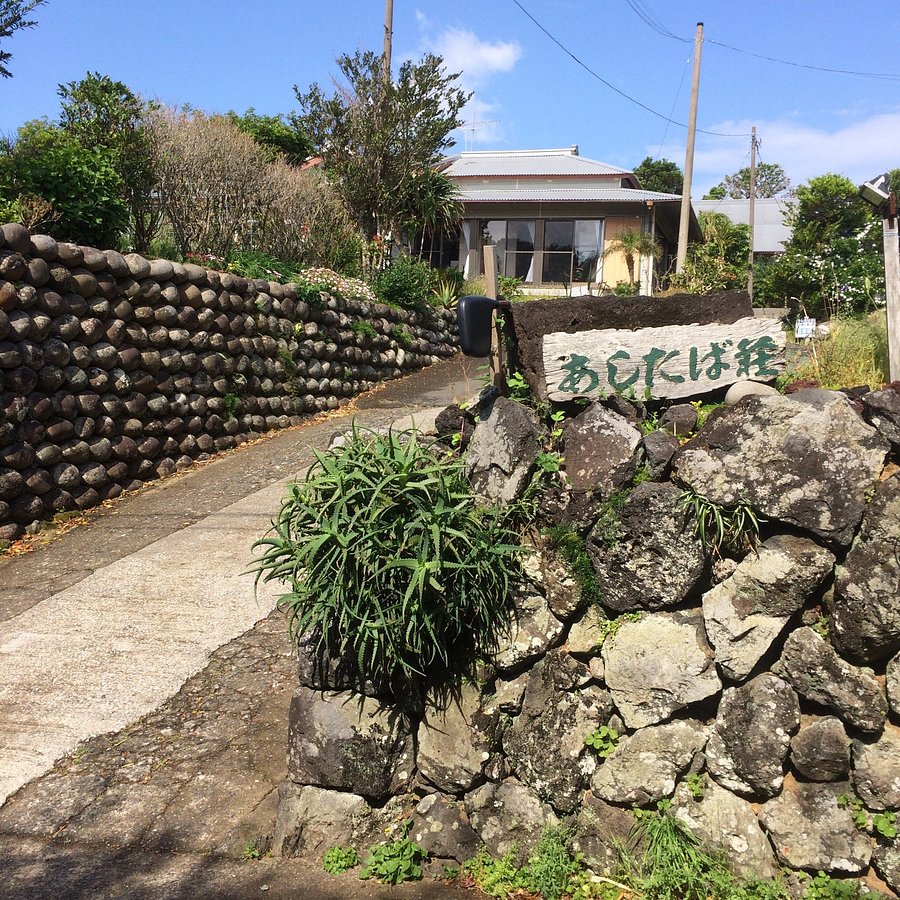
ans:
(389, 562)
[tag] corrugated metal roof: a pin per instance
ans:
(527, 162)
(561, 195)
(770, 231)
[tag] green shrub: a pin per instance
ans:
(395, 862)
(406, 283)
(389, 563)
(338, 860)
(80, 183)
(250, 264)
(509, 287)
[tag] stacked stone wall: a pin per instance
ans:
(750, 686)
(116, 370)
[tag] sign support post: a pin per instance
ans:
(490, 290)
(892, 288)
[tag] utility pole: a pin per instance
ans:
(684, 221)
(388, 37)
(752, 211)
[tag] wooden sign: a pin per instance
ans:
(670, 361)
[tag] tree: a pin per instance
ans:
(279, 135)
(106, 114)
(633, 244)
(434, 207)
(211, 179)
(12, 19)
(719, 261)
(833, 261)
(80, 183)
(660, 175)
(377, 137)
(771, 181)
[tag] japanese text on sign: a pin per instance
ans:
(672, 361)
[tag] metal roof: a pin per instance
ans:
(522, 163)
(770, 231)
(561, 195)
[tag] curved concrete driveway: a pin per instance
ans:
(106, 623)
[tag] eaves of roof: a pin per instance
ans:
(562, 195)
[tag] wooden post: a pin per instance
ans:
(892, 288)
(490, 290)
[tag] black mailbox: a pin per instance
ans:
(474, 320)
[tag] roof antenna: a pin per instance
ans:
(474, 125)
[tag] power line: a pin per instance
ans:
(888, 76)
(612, 87)
(674, 103)
(644, 14)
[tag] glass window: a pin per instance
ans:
(520, 236)
(587, 250)
(557, 268)
(558, 235)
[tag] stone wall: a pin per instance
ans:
(756, 686)
(116, 370)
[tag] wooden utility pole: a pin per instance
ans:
(388, 37)
(752, 211)
(684, 222)
(892, 284)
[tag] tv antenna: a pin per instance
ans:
(470, 128)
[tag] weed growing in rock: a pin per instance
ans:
(675, 865)
(696, 785)
(736, 529)
(823, 887)
(389, 562)
(401, 336)
(885, 824)
(610, 628)
(608, 528)
(856, 808)
(340, 859)
(364, 328)
(550, 872)
(396, 861)
(548, 461)
(251, 850)
(518, 388)
(603, 741)
(570, 546)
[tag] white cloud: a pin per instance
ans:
(477, 60)
(858, 149)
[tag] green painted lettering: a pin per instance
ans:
(612, 372)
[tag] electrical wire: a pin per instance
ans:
(644, 14)
(887, 76)
(612, 87)
(674, 104)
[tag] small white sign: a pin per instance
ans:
(804, 327)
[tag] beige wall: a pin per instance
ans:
(614, 267)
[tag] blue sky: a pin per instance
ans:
(231, 55)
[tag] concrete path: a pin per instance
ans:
(103, 625)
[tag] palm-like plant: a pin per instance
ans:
(633, 244)
(432, 205)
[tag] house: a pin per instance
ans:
(550, 214)
(770, 230)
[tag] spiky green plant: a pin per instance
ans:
(389, 562)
